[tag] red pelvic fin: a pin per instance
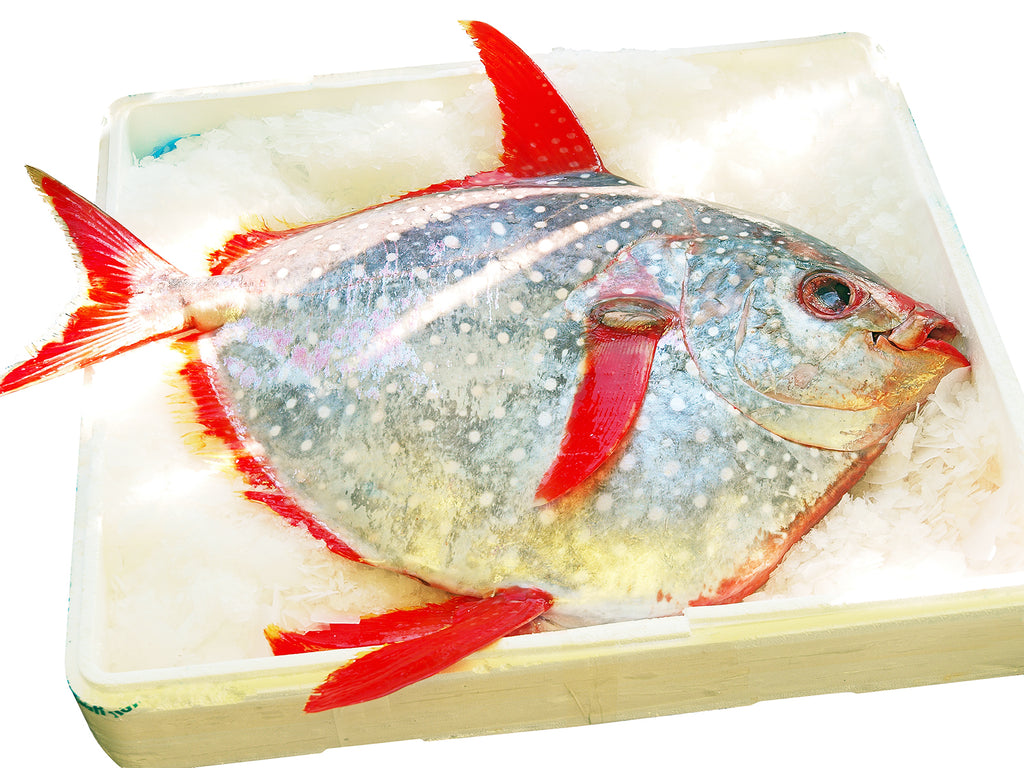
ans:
(392, 627)
(621, 339)
(119, 267)
(542, 134)
(417, 643)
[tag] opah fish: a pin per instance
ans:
(542, 388)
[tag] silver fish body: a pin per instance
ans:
(408, 370)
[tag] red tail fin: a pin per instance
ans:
(119, 269)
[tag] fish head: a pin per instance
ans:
(804, 340)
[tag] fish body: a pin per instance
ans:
(544, 389)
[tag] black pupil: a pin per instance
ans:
(833, 295)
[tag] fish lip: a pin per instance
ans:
(925, 328)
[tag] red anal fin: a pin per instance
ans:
(399, 664)
(752, 575)
(119, 267)
(298, 516)
(615, 375)
(217, 421)
(542, 134)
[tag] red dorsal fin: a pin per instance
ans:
(472, 624)
(542, 134)
(112, 318)
(242, 245)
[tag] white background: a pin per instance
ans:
(960, 68)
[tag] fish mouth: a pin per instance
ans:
(925, 328)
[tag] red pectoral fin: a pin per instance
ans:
(470, 625)
(620, 344)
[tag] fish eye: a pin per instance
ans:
(830, 296)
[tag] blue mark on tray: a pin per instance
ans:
(169, 145)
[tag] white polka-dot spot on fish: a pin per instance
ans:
(503, 338)
(350, 409)
(516, 307)
(536, 277)
(547, 245)
(772, 472)
(705, 219)
(334, 247)
(544, 418)
(435, 340)
(275, 430)
(700, 501)
(377, 417)
(677, 404)
(427, 425)
(611, 246)
(291, 403)
(657, 223)
(292, 252)
(451, 241)
(393, 236)
(727, 474)
(539, 224)
(582, 227)
(350, 456)
(307, 445)
(550, 385)
(316, 272)
(624, 224)
(474, 437)
(499, 229)
(428, 367)
(499, 412)
(671, 468)
(539, 209)
(733, 280)
(494, 205)
(742, 446)
(318, 236)
(517, 455)
(702, 435)
(604, 502)
(486, 499)
(323, 411)
(584, 207)
(293, 304)
(333, 303)
(282, 273)
(442, 216)
(550, 333)
(585, 266)
(472, 358)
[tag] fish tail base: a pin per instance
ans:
(111, 319)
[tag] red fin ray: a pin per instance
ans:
(474, 624)
(118, 267)
(608, 400)
(217, 420)
(541, 134)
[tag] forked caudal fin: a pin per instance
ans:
(119, 268)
